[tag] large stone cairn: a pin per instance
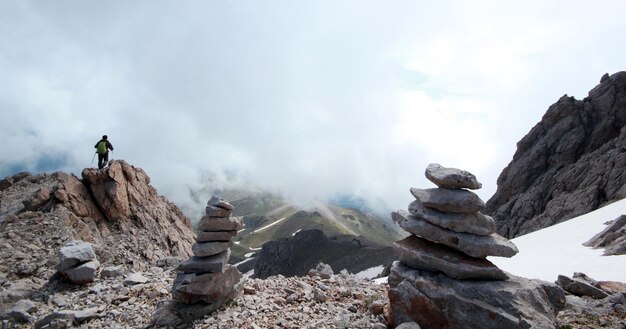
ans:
(206, 280)
(449, 233)
(442, 278)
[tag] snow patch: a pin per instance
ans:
(248, 255)
(267, 226)
(558, 250)
(370, 273)
(296, 232)
(243, 261)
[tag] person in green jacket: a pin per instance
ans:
(102, 148)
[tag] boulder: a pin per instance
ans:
(220, 224)
(434, 300)
(473, 245)
(449, 200)
(612, 238)
(476, 223)
(451, 177)
(74, 253)
(580, 288)
(212, 264)
(112, 272)
(422, 254)
(204, 249)
(208, 236)
(20, 312)
(322, 270)
(135, 278)
(83, 273)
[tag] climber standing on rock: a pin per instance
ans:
(102, 148)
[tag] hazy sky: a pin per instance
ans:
(308, 98)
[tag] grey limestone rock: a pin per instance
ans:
(425, 255)
(208, 236)
(112, 272)
(210, 288)
(451, 177)
(473, 245)
(211, 264)
(580, 288)
(570, 163)
(322, 270)
(204, 249)
(214, 211)
(449, 200)
(220, 224)
(476, 223)
(74, 253)
(219, 202)
(135, 278)
(83, 273)
(436, 301)
(612, 238)
(21, 311)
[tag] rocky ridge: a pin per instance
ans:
(570, 163)
(115, 209)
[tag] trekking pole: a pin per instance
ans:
(94, 156)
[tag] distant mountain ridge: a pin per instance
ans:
(269, 217)
(572, 162)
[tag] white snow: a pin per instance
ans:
(558, 250)
(270, 225)
(248, 255)
(255, 249)
(296, 232)
(244, 261)
(370, 273)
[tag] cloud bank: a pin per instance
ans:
(309, 99)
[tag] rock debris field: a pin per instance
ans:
(129, 301)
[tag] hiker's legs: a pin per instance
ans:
(102, 160)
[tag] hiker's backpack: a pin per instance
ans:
(102, 147)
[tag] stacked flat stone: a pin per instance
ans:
(206, 279)
(449, 233)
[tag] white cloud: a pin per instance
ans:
(310, 99)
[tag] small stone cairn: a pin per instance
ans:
(449, 233)
(77, 262)
(206, 280)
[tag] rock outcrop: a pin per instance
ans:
(612, 238)
(115, 209)
(570, 163)
(443, 279)
(296, 255)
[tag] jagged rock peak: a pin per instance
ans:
(570, 163)
(115, 209)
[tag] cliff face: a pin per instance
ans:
(115, 209)
(570, 163)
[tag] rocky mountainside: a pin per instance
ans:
(570, 163)
(296, 255)
(271, 218)
(115, 209)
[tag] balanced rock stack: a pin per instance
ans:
(77, 262)
(442, 278)
(206, 281)
(449, 233)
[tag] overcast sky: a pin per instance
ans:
(308, 98)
